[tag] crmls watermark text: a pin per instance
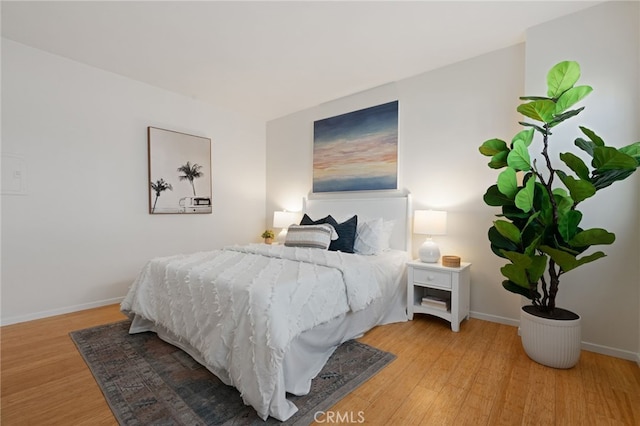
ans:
(339, 417)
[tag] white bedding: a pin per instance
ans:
(265, 318)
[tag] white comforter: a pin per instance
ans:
(241, 307)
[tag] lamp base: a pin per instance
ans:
(429, 252)
(282, 236)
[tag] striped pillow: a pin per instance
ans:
(313, 236)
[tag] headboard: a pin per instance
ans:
(391, 207)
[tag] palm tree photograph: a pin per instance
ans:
(179, 172)
(159, 186)
(190, 172)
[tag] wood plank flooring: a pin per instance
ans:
(479, 376)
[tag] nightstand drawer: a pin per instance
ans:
(432, 278)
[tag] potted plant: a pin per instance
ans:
(268, 236)
(539, 231)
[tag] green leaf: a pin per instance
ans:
(493, 146)
(499, 160)
(513, 213)
(500, 243)
(564, 116)
(592, 237)
(514, 288)
(609, 158)
(516, 274)
(567, 261)
(508, 230)
(579, 189)
(519, 259)
(534, 98)
(508, 182)
(537, 268)
(538, 128)
(561, 77)
(493, 197)
(572, 97)
(576, 164)
(632, 150)
(542, 202)
(564, 202)
(568, 224)
(585, 145)
(538, 110)
(593, 137)
(533, 246)
(524, 197)
(560, 192)
(603, 179)
(518, 158)
(525, 136)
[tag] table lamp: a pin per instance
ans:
(429, 223)
(282, 220)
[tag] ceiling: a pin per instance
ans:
(270, 59)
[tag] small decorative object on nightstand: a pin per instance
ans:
(268, 236)
(439, 290)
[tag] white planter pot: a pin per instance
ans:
(551, 342)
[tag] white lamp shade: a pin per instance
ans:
(430, 222)
(284, 219)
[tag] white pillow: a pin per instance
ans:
(372, 236)
(312, 236)
(387, 230)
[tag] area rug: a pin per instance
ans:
(147, 381)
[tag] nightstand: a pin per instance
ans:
(438, 290)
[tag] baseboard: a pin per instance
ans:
(605, 350)
(591, 347)
(60, 311)
(494, 318)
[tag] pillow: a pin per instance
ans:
(346, 234)
(306, 220)
(369, 237)
(387, 230)
(313, 236)
(373, 236)
(346, 231)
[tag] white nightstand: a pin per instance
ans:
(447, 291)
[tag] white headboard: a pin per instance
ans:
(390, 207)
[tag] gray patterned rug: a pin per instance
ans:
(149, 382)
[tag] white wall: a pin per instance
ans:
(82, 232)
(447, 113)
(604, 40)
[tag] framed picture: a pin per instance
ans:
(179, 172)
(357, 151)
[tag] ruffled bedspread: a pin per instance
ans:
(241, 307)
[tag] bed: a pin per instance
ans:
(266, 318)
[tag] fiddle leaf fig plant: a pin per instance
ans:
(538, 231)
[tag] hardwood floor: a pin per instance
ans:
(479, 376)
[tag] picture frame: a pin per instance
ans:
(357, 151)
(179, 179)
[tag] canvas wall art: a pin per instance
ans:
(179, 172)
(357, 151)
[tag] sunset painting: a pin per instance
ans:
(357, 151)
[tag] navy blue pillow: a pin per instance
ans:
(306, 220)
(346, 231)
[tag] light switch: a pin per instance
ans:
(14, 174)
